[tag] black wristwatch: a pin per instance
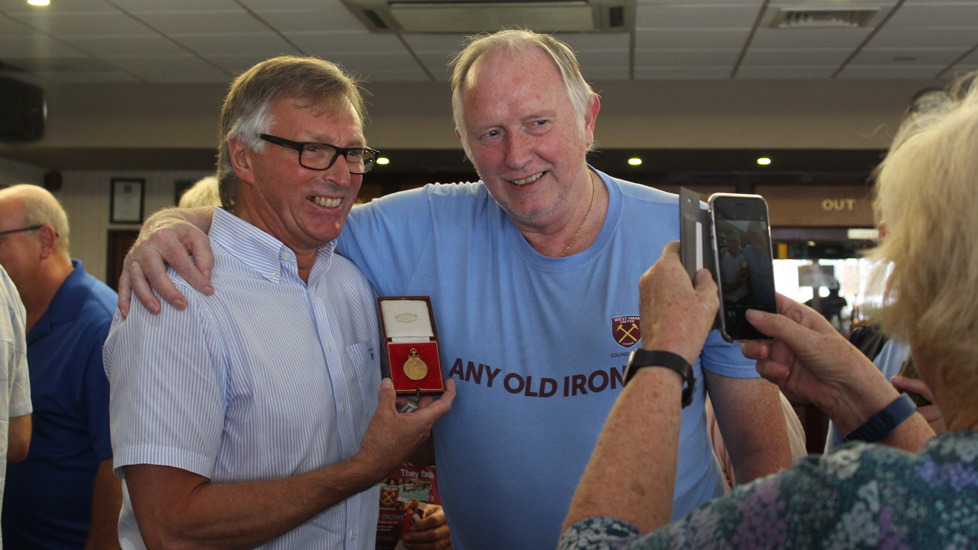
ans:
(642, 358)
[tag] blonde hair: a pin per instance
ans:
(927, 195)
(202, 193)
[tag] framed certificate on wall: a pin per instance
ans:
(127, 200)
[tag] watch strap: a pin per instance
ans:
(882, 423)
(642, 358)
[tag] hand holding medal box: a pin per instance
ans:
(414, 363)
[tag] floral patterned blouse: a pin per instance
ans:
(858, 496)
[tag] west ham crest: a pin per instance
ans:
(625, 330)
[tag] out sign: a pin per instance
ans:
(838, 205)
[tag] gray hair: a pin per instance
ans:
(245, 112)
(42, 208)
(578, 90)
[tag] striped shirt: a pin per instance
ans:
(267, 378)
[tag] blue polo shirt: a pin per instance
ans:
(48, 499)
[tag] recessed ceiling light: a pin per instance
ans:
(383, 160)
(635, 161)
(39, 2)
(763, 161)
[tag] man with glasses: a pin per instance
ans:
(63, 495)
(533, 276)
(257, 416)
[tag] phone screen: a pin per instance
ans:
(745, 269)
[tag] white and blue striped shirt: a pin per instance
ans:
(267, 378)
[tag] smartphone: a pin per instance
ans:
(744, 266)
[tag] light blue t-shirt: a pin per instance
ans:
(537, 347)
(269, 377)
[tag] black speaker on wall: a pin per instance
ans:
(22, 111)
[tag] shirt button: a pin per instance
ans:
(353, 535)
(342, 409)
(285, 255)
(329, 348)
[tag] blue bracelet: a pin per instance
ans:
(882, 423)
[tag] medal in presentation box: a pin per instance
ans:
(412, 345)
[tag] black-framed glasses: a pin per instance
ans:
(31, 228)
(322, 156)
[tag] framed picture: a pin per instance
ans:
(127, 200)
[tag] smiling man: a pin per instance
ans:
(533, 275)
(248, 419)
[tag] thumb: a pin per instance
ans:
(386, 395)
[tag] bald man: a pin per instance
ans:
(64, 494)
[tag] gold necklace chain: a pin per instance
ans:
(586, 214)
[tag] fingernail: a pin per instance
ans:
(386, 384)
(753, 315)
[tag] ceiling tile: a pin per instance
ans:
(86, 77)
(748, 72)
(809, 38)
(691, 58)
(293, 4)
(890, 71)
(129, 45)
(905, 56)
(435, 43)
(310, 20)
(786, 57)
(38, 46)
(199, 22)
(437, 65)
(598, 41)
(267, 43)
(677, 39)
(370, 64)
(695, 17)
(14, 28)
(949, 15)
(20, 7)
(325, 44)
(235, 64)
(134, 6)
(681, 73)
(86, 24)
(172, 69)
(924, 38)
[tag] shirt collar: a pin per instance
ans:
(263, 253)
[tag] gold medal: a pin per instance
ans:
(415, 368)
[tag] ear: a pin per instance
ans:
(240, 155)
(48, 238)
(591, 117)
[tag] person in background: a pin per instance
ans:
(257, 416)
(63, 495)
(15, 397)
(897, 485)
(204, 192)
(531, 275)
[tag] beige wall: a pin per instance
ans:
(714, 114)
(834, 114)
